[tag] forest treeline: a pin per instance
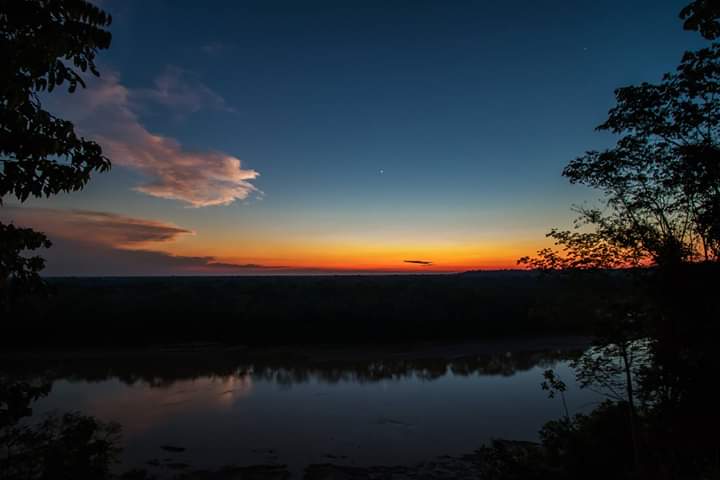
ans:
(312, 310)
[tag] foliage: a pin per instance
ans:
(590, 251)
(16, 398)
(595, 445)
(653, 356)
(590, 446)
(555, 385)
(45, 44)
(660, 182)
(703, 16)
(504, 460)
(68, 446)
(618, 355)
(19, 275)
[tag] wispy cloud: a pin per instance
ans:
(213, 48)
(419, 262)
(198, 178)
(180, 90)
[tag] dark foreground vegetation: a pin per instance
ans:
(310, 310)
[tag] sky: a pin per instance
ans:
(279, 137)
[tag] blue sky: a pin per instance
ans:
(376, 122)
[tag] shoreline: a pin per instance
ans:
(317, 352)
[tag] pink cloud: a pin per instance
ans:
(104, 112)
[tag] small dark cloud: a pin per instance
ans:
(242, 266)
(105, 228)
(120, 230)
(419, 262)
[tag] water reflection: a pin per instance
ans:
(139, 409)
(298, 407)
(164, 367)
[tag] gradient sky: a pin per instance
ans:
(286, 136)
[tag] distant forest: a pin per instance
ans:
(321, 309)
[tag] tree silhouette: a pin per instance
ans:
(661, 181)
(45, 44)
(25, 271)
(67, 446)
(660, 208)
(703, 16)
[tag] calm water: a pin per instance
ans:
(397, 409)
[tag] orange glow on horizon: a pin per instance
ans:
(355, 257)
(206, 252)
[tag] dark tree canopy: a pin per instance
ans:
(24, 270)
(660, 207)
(661, 180)
(44, 44)
(67, 446)
(703, 16)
